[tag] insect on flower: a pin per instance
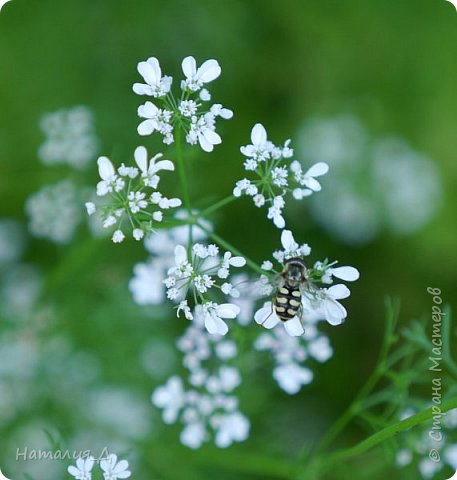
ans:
(297, 290)
(287, 301)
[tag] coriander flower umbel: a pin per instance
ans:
(208, 405)
(317, 301)
(276, 175)
(290, 354)
(202, 274)
(187, 111)
(133, 195)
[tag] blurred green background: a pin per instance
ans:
(392, 64)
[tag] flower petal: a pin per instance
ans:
(180, 254)
(287, 240)
(258, 134)
(338, 291)
(238, 261)
(294, 327)
(105, 168)
(209, 71)
(215, 325)
(189, 67)
(142, 89)
(350, 274)
(146, 127)
(163, 165)
(228, 310)
(266, 316)
(141, 158)
(316, 170)
(335, 313)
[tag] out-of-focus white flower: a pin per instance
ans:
(292, 377)
(70, 137)
(156, 85)
(377, 183)
(276, 175)
(170, 398)
(113, 470)
(230, 428)
(197, 77)
(83, 469)
(55, 212)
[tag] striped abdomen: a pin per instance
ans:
(287, 303)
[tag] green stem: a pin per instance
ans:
(231, 248)
(183, 180)
(385, 434)
(352, 410)
(217, 206)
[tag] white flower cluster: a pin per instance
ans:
(290, 353)
(422, 446)
(111, 468)
(317, 302)
(189, 112)
(377, 183)
(133, 195)
(146, 285)
(70, 137)
(277, 175)
(205, 270)
(208, 405)
(55, 211)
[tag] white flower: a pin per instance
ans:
(308, 179)
(55, 211)
(193, 435)
(231, 428)
(109, 180)
(150, 168)
(291, 377)
(267, 265)
(275, 212)
(333, 311)
(260, 148)
(203, 131)
(118, 236)
(196, 78)
(188, 108)
(291, 248)
(112, 469)
(156, 85)
(156, 120)
(70, 137)
(214, 313)
(146, 285)
(138, 234)
(83, 469)
(266, 316)
(90, 207)
(451, 455)
(183, 306)
(171, 398)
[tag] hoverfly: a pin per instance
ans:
(293, 282)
